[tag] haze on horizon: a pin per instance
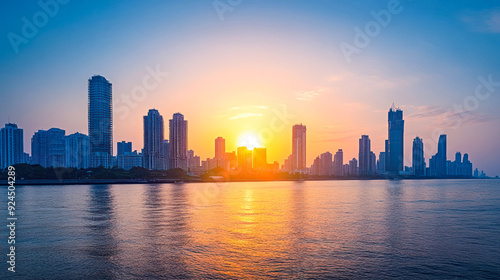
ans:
(229, 74)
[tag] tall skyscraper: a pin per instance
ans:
(220, 148)
(100, 122)
(153, 141)
(338, 163)
(299, 148)
(48, 148)
(11, 145)
(325, 164)
(394, 153)
(77, 151)
(418, 160)
(364, 155)
(123, 147)
(259, 156)
(178, 142)
(441, 157)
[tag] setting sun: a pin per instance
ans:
(249, 139)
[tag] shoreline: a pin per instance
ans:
(182, 181)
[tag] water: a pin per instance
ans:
(423, 229)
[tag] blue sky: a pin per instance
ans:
(263, 54)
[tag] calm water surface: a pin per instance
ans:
(423, 229)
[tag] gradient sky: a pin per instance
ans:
(228, 76)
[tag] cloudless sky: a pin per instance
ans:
(229, 76)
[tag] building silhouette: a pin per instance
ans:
(298, 148)
(244, 158)
(48, 148)
(100, 121)
(381, 163)
(11, 145)
(394, 146)
(123, 147)
(259, 158)
(325, 164)
(338, 163)
(220, 148)
(178, 142)
(153, 141)
(77, 151)
(364, 155)
(418, 160)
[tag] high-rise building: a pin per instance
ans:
(441, 157)
(48, 148)
(338, 163)
(128, 160)
(394, 150)
(353, 167)
(259, 161)
(100, 122)
(244, 158)
(123, 147)
(325, 164)
(178, 142)
(153, 141)
(381, 163)
(220, 148)
(166, 154)
(11, 145)
(364, 155)
(418, 160)
(77, 149)
(298, 148)
(373, 163)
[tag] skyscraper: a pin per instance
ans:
(77, 150)
(418, 160)
(299, 148)
(220, 148)
(338, 163)
(259, 156)
(100, 122)
(364, 155)
(244, 158)
(153, 141)
(178, 142)
(123, 147)
(394, 145)
(166, 154)
(11, 145)
(441, 157)
(325, 164)
(48, 148)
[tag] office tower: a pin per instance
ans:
(418, 160)
(364, 155)
(77, 150)
(373, 163)
(467, 166)
(353, 167)
(100, 122)
(394, 145)
(338, 163)
(325, 164)
(178, 142)
(11, 145)
(298, 148)
(153, 141)
(48, 148)
(220, 148)
(123, 147)
(244, 158)
(287, 164)
(441, 157)
(259, 156)
(381, 163)
(166, 154)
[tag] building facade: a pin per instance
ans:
(11, 145)
(178, 142)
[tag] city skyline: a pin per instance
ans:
(253, 66)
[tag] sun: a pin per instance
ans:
(249, 139)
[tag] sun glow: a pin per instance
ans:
(249, 139)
